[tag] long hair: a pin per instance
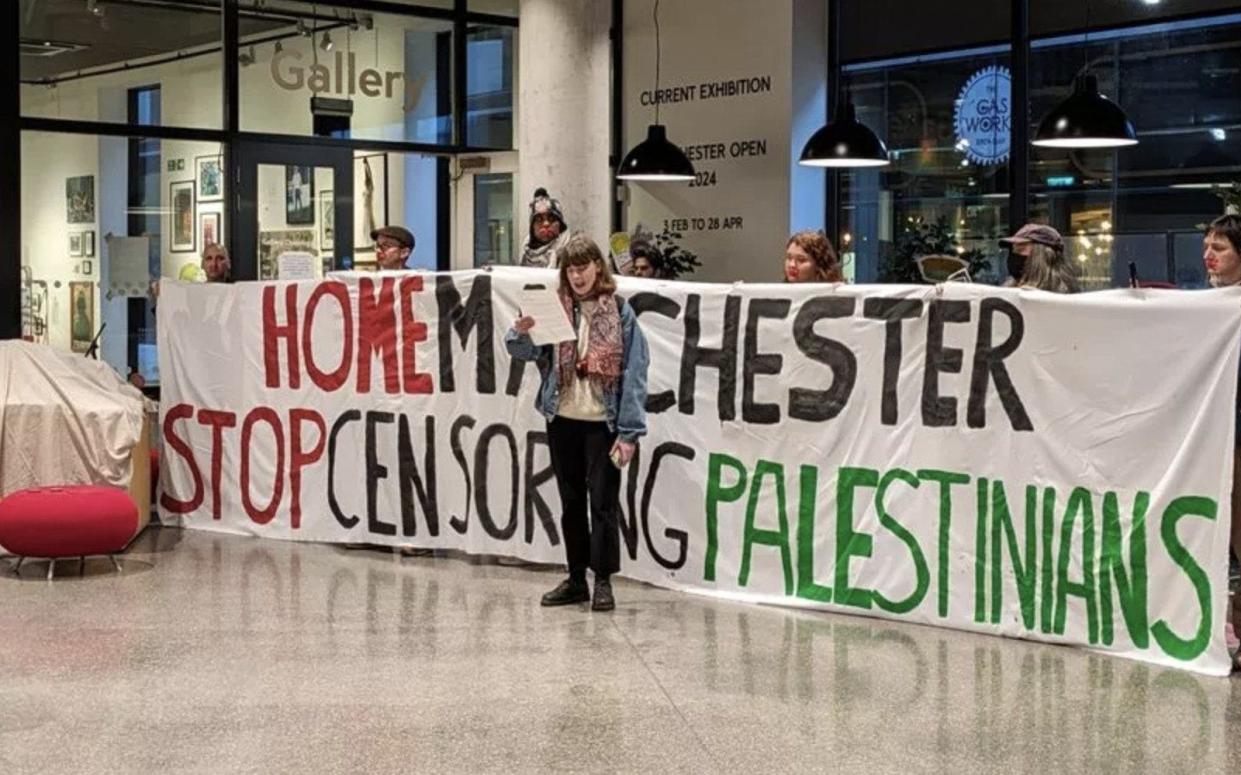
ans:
(1048, 269)
(580, 250)
(819, 248)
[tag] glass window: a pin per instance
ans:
(886, 28)
(1069, 15)
(396, 189)
(79, 59)
(1178, 83)
(103, 217)
(946, 122)
(494, 236)
(490, 53)
(386, 76)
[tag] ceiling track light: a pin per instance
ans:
(655, 159)
(326, 43)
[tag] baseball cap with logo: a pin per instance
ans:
(1039, 233)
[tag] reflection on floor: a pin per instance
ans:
(214, 653)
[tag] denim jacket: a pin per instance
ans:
(625, 401)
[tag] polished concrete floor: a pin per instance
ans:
(217, 654)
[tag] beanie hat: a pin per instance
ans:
(544, 204)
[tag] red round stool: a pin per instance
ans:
(67, 521)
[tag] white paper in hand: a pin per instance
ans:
(551, 324)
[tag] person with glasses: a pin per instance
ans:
(548, 231)
(393, 247)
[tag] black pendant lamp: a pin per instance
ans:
(845, 142)
(655, 158)
(1086, 119)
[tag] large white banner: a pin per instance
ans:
(1008, 462)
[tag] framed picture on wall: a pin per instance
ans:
(80, 199)
(299, 194)
(370, 197)
(210, 177)
(88, 244)
(81, 315)
(208, 229)
(327, 220)
(75, 244)
(181, 228)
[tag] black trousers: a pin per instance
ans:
(586, 478)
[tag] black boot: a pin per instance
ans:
(568, 592)
(603, 596)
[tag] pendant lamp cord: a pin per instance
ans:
(1086, 42)
(657, 98)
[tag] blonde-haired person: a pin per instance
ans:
(810, 258)
(593, 396)
(1036, 259)
(216, 265)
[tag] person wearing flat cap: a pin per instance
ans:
(393, 247)
(548, 231)
(1036, 259)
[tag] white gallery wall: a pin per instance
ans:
(742, 86)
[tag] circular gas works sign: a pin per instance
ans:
(984, 116)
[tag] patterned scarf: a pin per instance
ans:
(604, 353)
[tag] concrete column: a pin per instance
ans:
(563, 107)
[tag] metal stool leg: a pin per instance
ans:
(115, 564)
(82, 565)
(51, 568)
(18, 567)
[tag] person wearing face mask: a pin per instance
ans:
(809, 258)
(1221, 255)
(1036, 259)
(593, 396)
(548, 231)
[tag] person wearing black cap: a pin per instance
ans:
(393, 246)
(548, 231)
(1036, 260)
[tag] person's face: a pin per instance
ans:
(217, 265)
(642, 268)
(798, 265)
(1223, 263)
(582, 278)
(390, 255)
(546, 227)
(1023, 249)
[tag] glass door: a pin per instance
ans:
(295, 212)
(491, 216)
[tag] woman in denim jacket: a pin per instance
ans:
(593, 394)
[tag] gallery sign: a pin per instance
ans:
(342, 77)
(956, 455)
(984, 116)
